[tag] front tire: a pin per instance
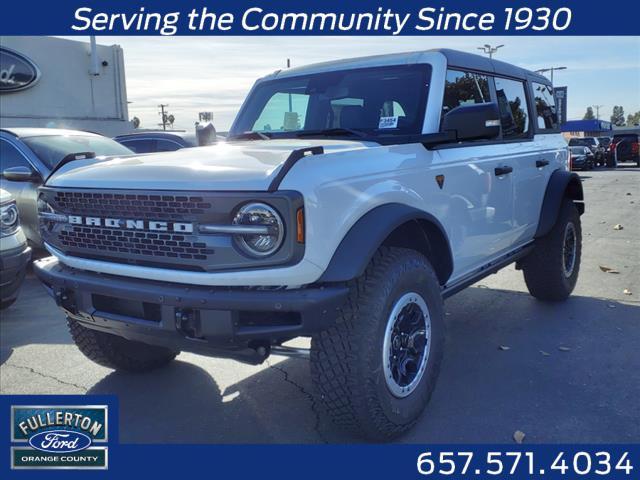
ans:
(118, 353)
(551, 270)
(376, 368)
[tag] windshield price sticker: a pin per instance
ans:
(388, 122)
(515, 464)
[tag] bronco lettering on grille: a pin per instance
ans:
(153, 225)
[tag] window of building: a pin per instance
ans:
(546, 116)
(512, 102)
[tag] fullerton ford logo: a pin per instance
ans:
(154, 225)
(60, 441)
(51, 436)
(17, 72)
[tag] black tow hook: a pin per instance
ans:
(188, 323)
(66, 299)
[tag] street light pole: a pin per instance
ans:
(551, 69)
(489, 50)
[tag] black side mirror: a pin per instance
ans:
(21, 174)
(473, 122)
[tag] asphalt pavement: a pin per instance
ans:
(566, 372)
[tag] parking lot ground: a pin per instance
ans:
(566, 372)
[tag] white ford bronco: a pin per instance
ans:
(349, 200)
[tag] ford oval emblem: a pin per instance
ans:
(17, 72)
(60, 441)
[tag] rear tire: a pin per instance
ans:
(118, 353)
(375, 375)
(551, 270)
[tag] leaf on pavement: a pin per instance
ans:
(518, 436)
(626, 291)
(564, 349)
(545, 354)
(617, 226)
(608, 269)
(504, 348)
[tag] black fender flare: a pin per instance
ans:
(357, 248)
(562, 184)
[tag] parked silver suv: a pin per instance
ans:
(14, 252)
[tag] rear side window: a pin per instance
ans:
(167, 146)
(464, 88)
(140, 146)
(512, 102)
(546, 117)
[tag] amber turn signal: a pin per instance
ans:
(300, 225)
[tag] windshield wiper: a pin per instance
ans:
(251, 136)
(328, 132)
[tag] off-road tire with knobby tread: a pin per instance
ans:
(346, 359)
(118, 353)
(543, 267)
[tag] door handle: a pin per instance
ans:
(541, 163)
(503, 170)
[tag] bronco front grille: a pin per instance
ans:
(150, 206)
(158, 228)
(137, 243)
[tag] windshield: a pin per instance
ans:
(367, 102)
(50, 149)
(582, 141)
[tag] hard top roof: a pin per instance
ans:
(454, 58)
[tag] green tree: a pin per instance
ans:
(589, 115)
(633, 119)
(617, 117)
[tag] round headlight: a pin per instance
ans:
(259, 214)
(9, 217)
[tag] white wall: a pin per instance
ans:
(67, 94)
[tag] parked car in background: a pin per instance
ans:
(593, 144)
(150, 142)
(581, 158)
(14, 251)
(29, 155)
(625, 147)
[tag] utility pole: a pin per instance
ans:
(551, 69)
(489, 50)
(597, 107)
(163, 115)
(290, 99)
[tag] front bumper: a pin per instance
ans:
(13, 266)
(223, 322)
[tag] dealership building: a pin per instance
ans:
(54, 82)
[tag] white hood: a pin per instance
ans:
(246, 165)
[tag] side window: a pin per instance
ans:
(512, 102)
(464, 88)
(167, 146)
(546, 116)
(140, 146)
(10, 157)
(283, 112)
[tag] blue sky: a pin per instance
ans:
(195, 74)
